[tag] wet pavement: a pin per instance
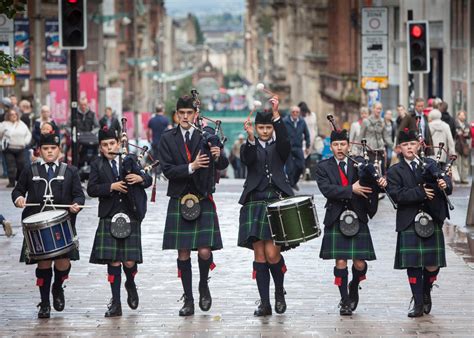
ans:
(312, 298)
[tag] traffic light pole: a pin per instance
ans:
(411, 77)
(73, 92)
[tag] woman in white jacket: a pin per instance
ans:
(440, 132)
(15, 136)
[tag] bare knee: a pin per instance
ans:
(341, 263)
(272, 253)
(259, 252)
(62, 264)
(45, 264)
(129, 264)
(431, 268)
(115, 263)
(183, 254)
(359, 264)
(204, 253)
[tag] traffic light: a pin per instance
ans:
(72, 24)
(418, 47)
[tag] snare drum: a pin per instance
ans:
(293, 220)
(48, 234)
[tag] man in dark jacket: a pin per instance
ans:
(297, 129)
(110, 121)
(446, 117)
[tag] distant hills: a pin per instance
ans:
(200, 8)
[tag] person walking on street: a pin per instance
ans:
(7, 226)
(311, 120)
(377, 137)
(446, 117)
(27, 115)
(418, 122)
(45, 117)
(14, 136)
(239, 167)
(297, 130)
(462, 145)
(110, 121)
(391, 129)
(440, 132)
(354, 133)
(156, 127)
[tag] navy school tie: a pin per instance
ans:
(114, 169)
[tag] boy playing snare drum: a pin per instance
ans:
(67, 191)
(266, 181)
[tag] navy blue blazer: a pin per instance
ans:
(68, 191)
(407, 191)
(174, 163)
(338, 196)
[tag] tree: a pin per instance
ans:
(199, 34)
(184, 88)
(10, 8)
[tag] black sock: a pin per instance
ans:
(415, 278)
(186, 274)
(43, 280)
(130, 274)
(262, 275)
(358, 275)
(115, 279)
(429, 278)
(341, 281)
(278, 272)
(60, 276)
(204, 267)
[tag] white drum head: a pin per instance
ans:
(290, 201)
(44, 216)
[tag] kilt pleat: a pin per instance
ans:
(107, 249)
(335, 245)
(253, 219)
(73, 255)
(413, 251)
(191, 235)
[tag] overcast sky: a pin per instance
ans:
(199, 7)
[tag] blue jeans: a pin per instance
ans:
(1, 219)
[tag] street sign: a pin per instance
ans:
(6, 24)
(374, 21)
(374, 82)
(6, 46)
(374, 56)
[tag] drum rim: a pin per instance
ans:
(269, 206)
(300, 240)
(52, 254)
(46, 223)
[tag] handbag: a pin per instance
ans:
(4, 144)
(120, 226)
(424, 226)
(349, 223)
(189, 207)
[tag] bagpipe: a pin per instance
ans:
(211, 137)
(368, 172)
(132, 164)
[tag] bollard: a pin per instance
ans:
(470, 206)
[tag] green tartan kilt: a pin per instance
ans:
(335, 245)
(413, 251)
(253, 220)
(107, 249)
(191, 235)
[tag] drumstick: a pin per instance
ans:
(256, 104)
(261, 87)
(57, 205)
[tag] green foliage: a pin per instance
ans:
(183, 88)
(265, 23)
(199, 34)
(10, 8)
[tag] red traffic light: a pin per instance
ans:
(72, 1)
(416, 31)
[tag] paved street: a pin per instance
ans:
(312, 298)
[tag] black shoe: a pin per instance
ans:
(205, 299)
(58, 298)
(345, 307)
(188, 307)
(296, 187)
(427, 303)
(416, 310)
(44, 311)
(132, 299)
(115, 309)
(263, 309)
(353, 296)
(280, 303)
(11, 185)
